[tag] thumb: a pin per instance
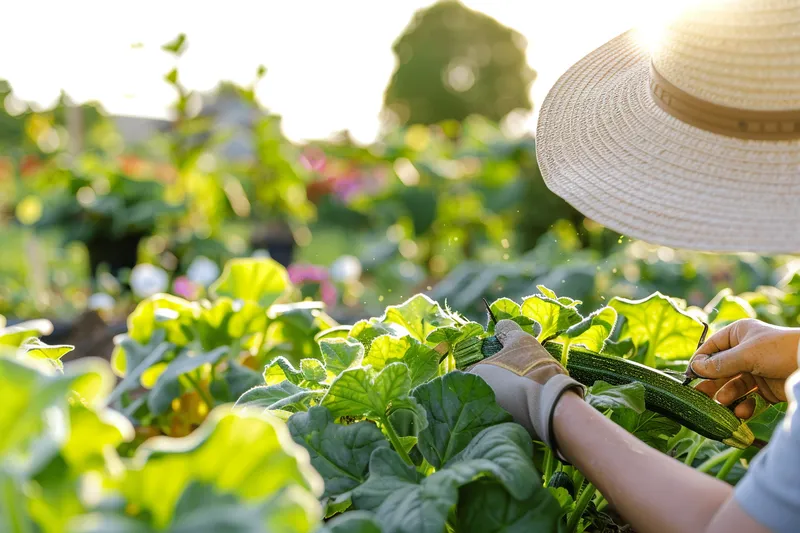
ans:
(507, 329)
(723, 364)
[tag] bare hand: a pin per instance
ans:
(746, 356)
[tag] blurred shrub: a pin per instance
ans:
(454, 62)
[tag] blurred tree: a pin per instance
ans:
(454, 62)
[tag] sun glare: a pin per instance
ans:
(657, 16)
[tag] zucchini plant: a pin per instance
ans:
(402, 436)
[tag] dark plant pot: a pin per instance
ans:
(277, 239)
(117, 253)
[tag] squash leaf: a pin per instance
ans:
(285, 396)
(593, 331)
(404, 501)
(259, 280)
(484, 506)
(671, 332)
(226, 322)
(458, 407)
(167, 387)
(419, 316)
(17, 334)
(341, 354)
(339, 453)
(725, 308)
(603, 396)
(422, 361)
(353, 522)
(766, 418)
(355, 393)
(553, 316)
(246, 456)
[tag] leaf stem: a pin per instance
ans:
(577, 480)
(714, 460)
(693, 451)
(200, 391)
(549, 465)
(395, 440)
(580, 506)
(729, 463)
(565, 352)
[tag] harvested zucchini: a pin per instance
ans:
(664, 394)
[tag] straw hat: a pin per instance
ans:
(694, 143)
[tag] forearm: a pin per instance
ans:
(654, 492)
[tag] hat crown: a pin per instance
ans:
(742, 54)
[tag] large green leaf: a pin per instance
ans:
(260, 280)
(507, 309)
(135, 359)
(670, 332)
(235, 380)
(766, 419)
(355, 393)
(725, 308)
(285, 396)
(245, 454)
(484, 506)
(227, 321)
(603, 396)
(593, 331)
(654, 429)
(167, 387)
(458, 406)
(339, 453)
(341, 354)
(422, 362)
(365, 331)
(310, 374)
(404, 501)
(17, 334)
(553, 316)
(162, 312)
(353, 522)
(419, 316)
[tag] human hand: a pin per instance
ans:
(747, 355)
(526, 379)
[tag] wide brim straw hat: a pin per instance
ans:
(693, 142)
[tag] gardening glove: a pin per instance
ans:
(744, 357)
(527, 381)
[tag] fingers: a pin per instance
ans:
(710, 387)
(736, 388)
(746, 408)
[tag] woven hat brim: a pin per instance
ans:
(606, 148)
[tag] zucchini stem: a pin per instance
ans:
(694, 450)
(714, 460)
(580, 506)
(395, 440)
(565, 352)
(549, 465)
(729, 464)
(200, 391)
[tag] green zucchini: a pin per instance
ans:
(561, 479)
(663, 393)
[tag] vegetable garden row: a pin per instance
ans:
(252, 411)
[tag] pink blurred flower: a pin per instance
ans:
(186, 288)
(313, 159)
(300, 274)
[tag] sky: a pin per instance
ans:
(328, 61)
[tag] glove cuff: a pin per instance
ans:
(551, 393)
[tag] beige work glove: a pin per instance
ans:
(527, 381)
(747, 356)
